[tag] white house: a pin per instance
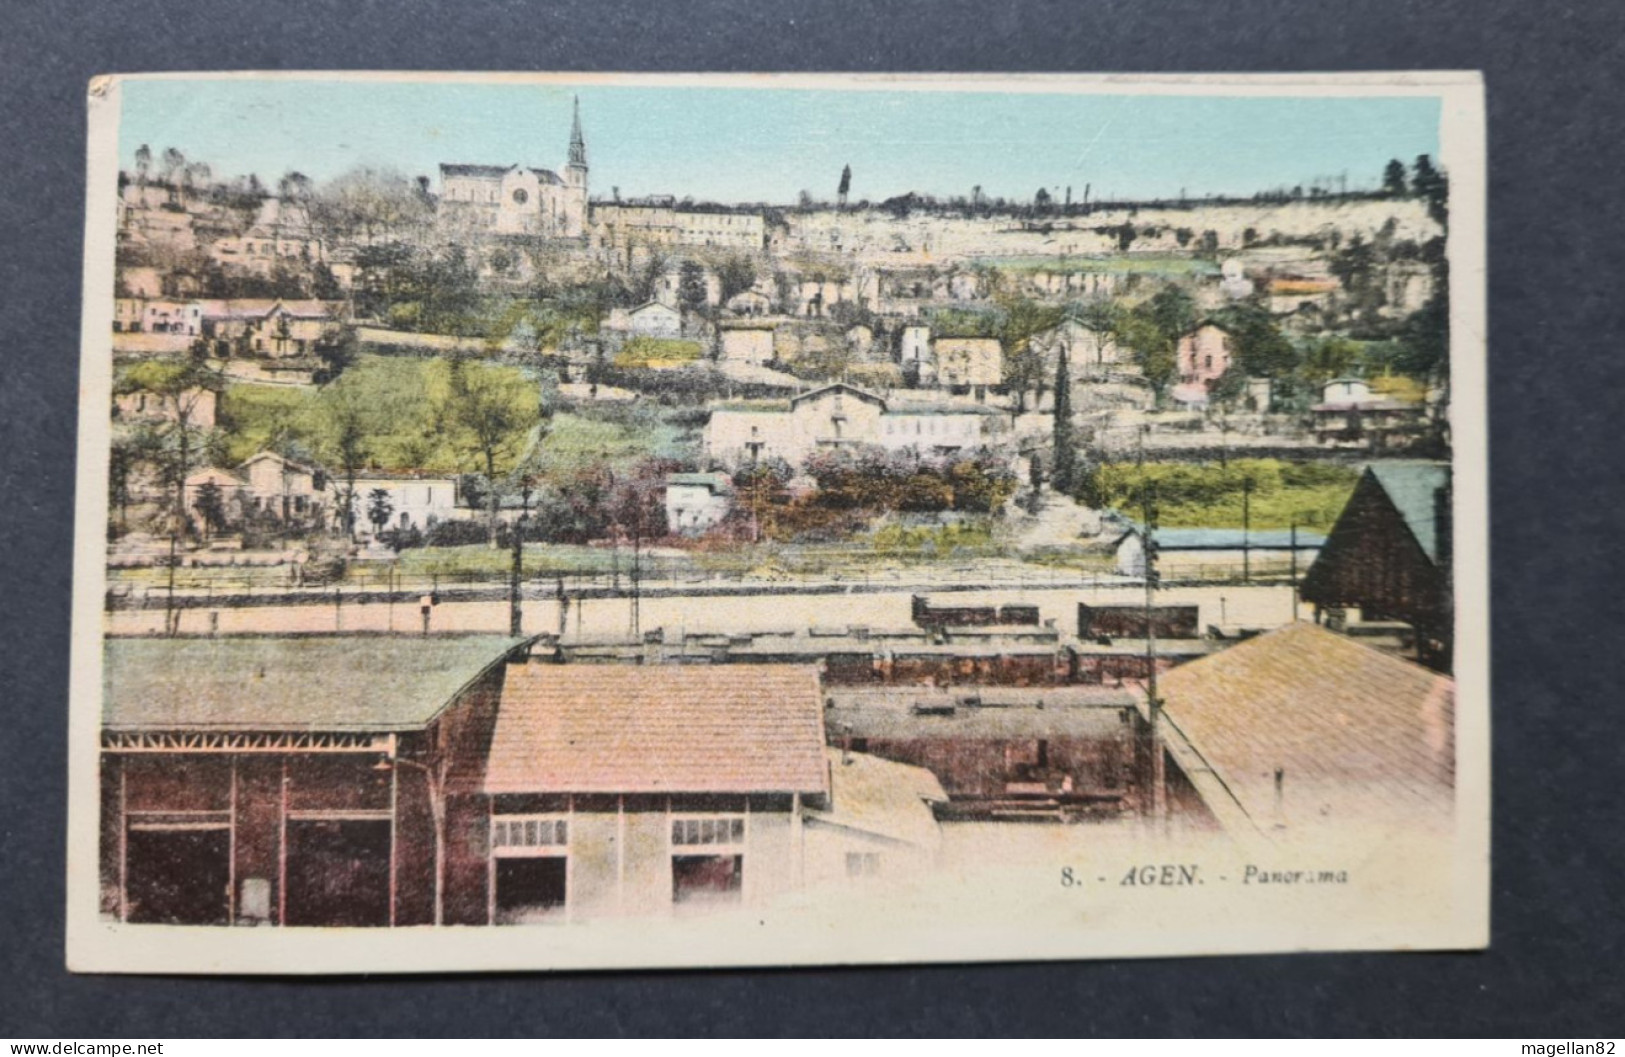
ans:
(914, 350)
(840, 416)
(655, 320)
(406, 501)
(696, 501)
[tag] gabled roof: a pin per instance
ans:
(260, 307)
(843, 387)
(1411, 487)
(1357, 735)
(488, 171)
(292, 464)
(716, 482)
(1205, 324)
(213, 473)
(588, 728)
(548, 176)
(653, 304)
(331, 684)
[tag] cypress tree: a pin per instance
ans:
(1064, 469)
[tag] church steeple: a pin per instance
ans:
(578, 144)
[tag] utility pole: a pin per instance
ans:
(171, 624)
(1246, 529)
(1158, 777)
(637, 542)
(516, 574)
(1294, 575)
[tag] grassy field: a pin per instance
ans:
(403, 426)
(1209, 496)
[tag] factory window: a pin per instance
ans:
(862, 864)
(691, 831)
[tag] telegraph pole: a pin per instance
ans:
(1158, 776)
(1294, 575)
(516, 574)
(1246, 529)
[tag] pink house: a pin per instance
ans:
(1204, 354)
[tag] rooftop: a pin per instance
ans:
(265, 683)
(1197, 539)
(878, 796)
(906, 713)
(717, 482)
(1411, 487)
(1355, 733)
(668, 729)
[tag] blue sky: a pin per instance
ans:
(733, 144)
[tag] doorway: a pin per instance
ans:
(176, 876)
(707, 880)
(531, 888)
(338, 872)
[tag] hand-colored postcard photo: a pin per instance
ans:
(602, 521)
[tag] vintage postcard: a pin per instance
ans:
(590, 521)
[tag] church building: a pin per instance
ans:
(522, 201)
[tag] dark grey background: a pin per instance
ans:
(1554, 72)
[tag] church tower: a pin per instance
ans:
(575, 179)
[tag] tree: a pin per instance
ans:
(1064, 471)
(143, 163)
(369, 206)
(172, 162)
(1431, 185)
(211, 507)
(736, 275)
(340, 432)
(379, 509)
(1393, 179)
(1173, 311)
(1041, 202)
(691, 285)
(1262, 351)
(490, 411)
(845, 185)
(293, 187)
(1153, 349)
(180, 392)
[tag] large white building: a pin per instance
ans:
(840, 416)
(518, 200)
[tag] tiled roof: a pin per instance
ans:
(331, 684)
(258, 307)
(1357, 735)
(838, 387)
(473, 170)
(872, 795)
(1411, 487)
(661, 729)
